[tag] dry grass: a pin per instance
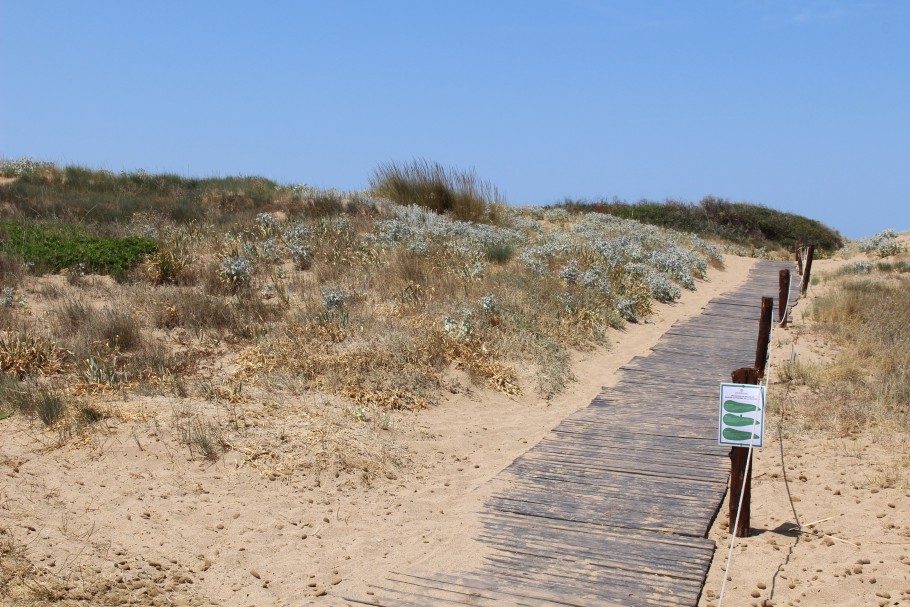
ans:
(11, 270)
(866, 384)
(203, 437)
(24, 584)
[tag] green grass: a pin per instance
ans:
(901, 267)
(85, 195)
(55, 247)
(737, 221)
(82, 195)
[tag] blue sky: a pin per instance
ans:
(801, 105)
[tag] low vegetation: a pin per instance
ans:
(883, 244)
(865, 384)
(80, 195)
(739, 222)
(379, 302)
(50, 248)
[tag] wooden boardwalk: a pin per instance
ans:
(613, 507)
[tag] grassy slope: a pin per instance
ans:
(735, 221)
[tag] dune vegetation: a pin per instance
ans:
(750, 224)
(860, 380)
(425, 284)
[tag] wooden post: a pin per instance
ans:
(784, 295)
(806, 273)
(740, 473)
(799, 258)
(764, 335)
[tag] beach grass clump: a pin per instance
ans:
(447, 191)
(28, 399)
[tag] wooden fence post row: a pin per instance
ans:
(783, 297)
(808, 270)
(764, 335)
(740, 467)
(799, 257)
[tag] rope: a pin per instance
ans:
(764, 384)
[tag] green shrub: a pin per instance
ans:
(55, 247)
(499, 252)
(737, 221)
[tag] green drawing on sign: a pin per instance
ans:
(739, 420)
(734, 406)
(734, 434)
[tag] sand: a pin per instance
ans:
(127, 510)
(853, 546)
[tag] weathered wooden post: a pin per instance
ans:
(799, 257)
(783, 296)
(806, 273)
(741, 470)
(764, 335)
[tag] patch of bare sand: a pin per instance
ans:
(129, 505)
(854, 489)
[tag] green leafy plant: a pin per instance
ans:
(55, 247)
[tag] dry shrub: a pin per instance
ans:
(90, 331)
(153, 360)
(24, 353)
(476, 358)
(798, 372)
(117, 329)
(172, 263)
(392, 372)
(11, 270)
(192, 309)
(27, 398)
(400, 368)
(71, 315)
(203, 437)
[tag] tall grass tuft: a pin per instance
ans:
(28, 399)
(457, 193)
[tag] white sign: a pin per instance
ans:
(741, 420)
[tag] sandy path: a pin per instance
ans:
(130, 501)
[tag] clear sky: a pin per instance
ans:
(800, 105)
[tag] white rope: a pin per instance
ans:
(742, 492)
